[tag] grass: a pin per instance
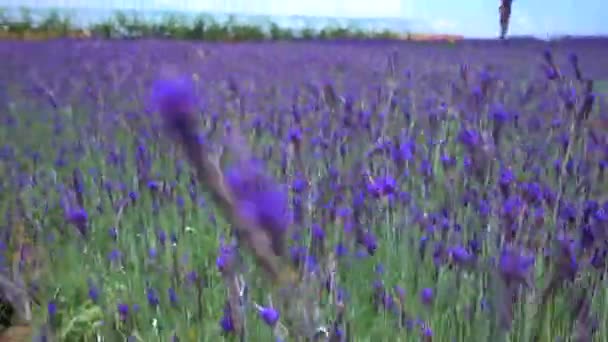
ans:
(142, 241)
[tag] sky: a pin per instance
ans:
(471, 18)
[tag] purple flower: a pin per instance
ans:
(261, 198)
(134, 196)
(113, 232)
(295, 135)
(317, 232)
(162, 237)
(115, 255)
(500, 115)
(226, 323)
(470, 138)
(152, 253)
(341, 250)
(52, 309)
(514, 266)
(176, 102)
(550, 72)
(374, 189)
(152, 297)
(448, 161)
(567, 211)
(192, 277)
(269, 315)
(172, 296)
(532, 192)
(427, 296)
(388, 185)
(123, 311)
(407, 150)
(154, 185)
(299, 185)
(79, 218)
(370, 242)
(460, 255)
(93, 292)
(226, 257)
(483, 207)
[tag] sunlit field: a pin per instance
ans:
(332, 191)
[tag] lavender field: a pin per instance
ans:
(293, 191)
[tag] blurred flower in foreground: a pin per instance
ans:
(269, 315)
(253, 202)
(258, 195)
(175, 101)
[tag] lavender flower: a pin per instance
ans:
(262, 199)
(269, 315)
(427, 295)
(123, 311)
(79, 218)
(176, 102)
(515, 267)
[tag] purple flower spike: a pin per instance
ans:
(175, 100)
(370, 243)
(460, 255)
(427, 295)
(79, 218)
(93, 292)
(153, 299)
(226, 323)
(123, 311)
(52, 309)
(269, 315)
(317, 232)
(262, 199)
(226, 258)
(514, 266)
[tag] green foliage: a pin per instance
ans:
(22, 24)
(279, 33)
(132, 25)
(55, 22)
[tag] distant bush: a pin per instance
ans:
(203, 27)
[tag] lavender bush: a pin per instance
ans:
(335, 191)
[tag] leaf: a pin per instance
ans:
(89, 316)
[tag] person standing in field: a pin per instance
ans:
(505, 15)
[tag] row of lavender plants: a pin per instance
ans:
(352, 191)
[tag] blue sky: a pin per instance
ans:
(474, 18)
